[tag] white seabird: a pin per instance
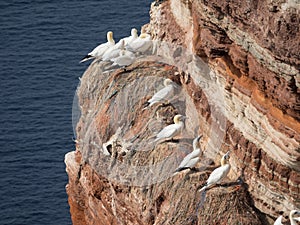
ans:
(124, 59)
(293, 219)
(164, 93)
(278, 221)
(219, 173)
(172, 130)
(140, 44)
(101, 49)
(114, 51)
(192, 158)
(130, 39)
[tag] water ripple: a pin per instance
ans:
(41, 44)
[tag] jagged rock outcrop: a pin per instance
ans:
(252, 46)
(236, 66)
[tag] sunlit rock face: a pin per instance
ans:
(119, 176)
(251, 46)
(235, 68)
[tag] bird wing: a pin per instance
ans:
(188, 164)
(130, 54)
(189, 157)
(161, 94)
(123, 60)
(100, 49)
(278, 221)
(168, 131)
(218, 174)
(145, 46)
(128, 40)
(192, 162)
(185, 161)
(139, 45)
(110, 54)
(195, 153)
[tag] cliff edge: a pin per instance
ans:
(235, 68)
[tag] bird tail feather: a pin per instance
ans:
(156, 139)
(203, 188)
(86, 58)
(146, 105)
(181, 169)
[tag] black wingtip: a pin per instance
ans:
(181, 169)
(85, 58)
(146, 104)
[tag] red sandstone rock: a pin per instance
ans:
(252, 47)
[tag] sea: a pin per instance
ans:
(41, 44)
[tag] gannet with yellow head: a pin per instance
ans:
(140, 44)
(292, 217)
(192, 158)
(172, 130)
(163, 94)
(219, 173)
(128, 40)
(114, 51)
(102, 48)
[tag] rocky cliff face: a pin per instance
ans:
(236, 69)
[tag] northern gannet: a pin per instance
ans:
(101, 49)
(219, 173)
(164, 93)
(128, 40)
(140, 44)
(292, 216)
(114, 51)
(172, 130)
(124, 59)
(192, 158)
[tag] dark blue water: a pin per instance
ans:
(41, 43)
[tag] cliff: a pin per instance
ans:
(236, 69)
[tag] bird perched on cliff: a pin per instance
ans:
(219, 173)
(164, 94)
(128, 40)
(292, 217)
(172, 130)
(114, 51)
(124, 59)
(191, 159)
(101, 49)
(141, 44)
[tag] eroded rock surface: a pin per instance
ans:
(236, 69)
(260, 83)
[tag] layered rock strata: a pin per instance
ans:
(236, 67)
(118, 176)
(252, 49)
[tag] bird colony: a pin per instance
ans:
(124, 53)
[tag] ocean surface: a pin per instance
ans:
(41, 44)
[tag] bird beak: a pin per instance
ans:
(227, 155)
(199, 137)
